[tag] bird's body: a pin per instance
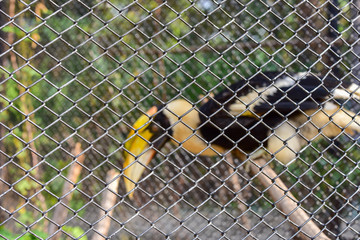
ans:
(270, 112)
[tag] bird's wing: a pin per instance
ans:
(284, 94)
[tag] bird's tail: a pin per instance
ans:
(333, 121)
(344, 118)
(346, 92)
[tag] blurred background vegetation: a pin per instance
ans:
(76, 74)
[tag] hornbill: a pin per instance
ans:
(270, 113)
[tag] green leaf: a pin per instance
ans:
(75, 232)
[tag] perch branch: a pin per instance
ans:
(60, 214)
(108, 201)
(285, 201)
(234, 179)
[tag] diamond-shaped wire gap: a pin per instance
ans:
(138, 92)
(233, 55)
(156, 85)
(214, 186)
(14, 88)
(196, 223)
(120, 134)
(212, 232)
(120, 79)
(153, 55)
(27, 187)
(28, 215)
(176, 229)
(135, 65)
(89, 51)
(105, 64)
(78, 224)
(72, 201)
(111, 145)
(138, 225)
(42, 89)
(177, 55)
(189, 18)
(151, 26)
(73, 119)
(294, 21)
(191, 172)
(75, 42)
(136, 7)
(152, 211)
(44, 35)
(113, 229)
(13, 229)
(150, 186)
(76, 10)
(89, 78)
(59, 131)
(169, 171)
(88, 180)
(166, 67)
(136, 40)
(21, 104)
(109, 119)
(107, 38)
(91, 212)
(190, 40)
(81, 63)
(12, 200)
(12, 118)
(74, 91)
(91, 131)
(14, 27)
(150, 183)
(122, 233)
(65, 211)
(26, 160)
(219, 17)
(59, 49)
(90, 104)
(106, 91)
(166, 15)
(163, 92)
(59, 22)
(37, 229)
(206, 29)
(44, 200)
(119, 25)
(153, 232)
(121, 51)
(178, 7)
(353, 177)
(124, 211)
(15, 145)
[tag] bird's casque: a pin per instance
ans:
(273, 113)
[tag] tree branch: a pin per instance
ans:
(285, 201)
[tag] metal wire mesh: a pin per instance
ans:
(76, 74)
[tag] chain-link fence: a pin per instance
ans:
(76, 74)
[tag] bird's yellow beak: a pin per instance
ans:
(137, 153)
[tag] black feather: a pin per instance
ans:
(222, 128)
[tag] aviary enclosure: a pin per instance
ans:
(76, 74)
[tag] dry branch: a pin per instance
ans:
(108, 201)
(60, 214)
(234, 179)
(285, 201)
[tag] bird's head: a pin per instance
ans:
(151, 131)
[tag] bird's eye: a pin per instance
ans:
(154, 128)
